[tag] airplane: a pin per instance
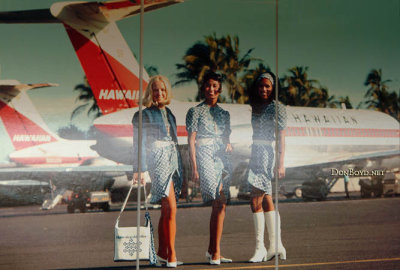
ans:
(41, 154)
(316, 138)
(35, 144)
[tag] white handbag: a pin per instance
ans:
(126, 244)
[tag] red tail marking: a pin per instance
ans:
(121, 4)
(126, 3)
(112, 83)
(22, 131)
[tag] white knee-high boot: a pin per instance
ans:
(274, 233)
(260, 254)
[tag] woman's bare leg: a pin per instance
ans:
(268, 203)
(217, 226)
(168, 231)
(162, 234)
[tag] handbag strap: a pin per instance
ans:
(126, 201)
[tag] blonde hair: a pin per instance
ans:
(148, 95)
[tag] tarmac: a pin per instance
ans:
(333, 234)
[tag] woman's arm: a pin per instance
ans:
(192, 155)
(135, 122)
(227, 133)
(281, 148)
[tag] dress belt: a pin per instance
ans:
(264, 142)
(160, 143)
(206, 141)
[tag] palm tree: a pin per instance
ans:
(298, 90)
(71, 132)
(196, 63)
(232, 65)
(375, 83)
(393, 101)
(218, 55)
(151, 70)
(319, 97)
(86, 96)
(378, 97)
(297, 87)
(337, 103)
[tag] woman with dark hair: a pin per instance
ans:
(261, 166)
(208, 127)
(161, 160)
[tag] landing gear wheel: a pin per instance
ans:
(364, 193)
(106, 207)
(70, 209)
(324, 193)
(298, 192)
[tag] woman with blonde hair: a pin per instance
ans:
(161, 159)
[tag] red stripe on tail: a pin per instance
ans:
(113, 85)
(22, 131)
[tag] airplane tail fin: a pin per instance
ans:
(21, 120)
(109, 64)
(110, 67)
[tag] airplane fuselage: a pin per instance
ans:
(313, 135)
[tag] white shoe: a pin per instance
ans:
(225, 260)
(211, 261)
(274, 233)
(216, 262)
(161, 260)
(260, 254)
(172, 264)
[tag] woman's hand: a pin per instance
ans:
(281, 172)
(195, 176)
(228, 148)
(136, 176)
(192, 156)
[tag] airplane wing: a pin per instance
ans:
(62, 172)
(89, 177)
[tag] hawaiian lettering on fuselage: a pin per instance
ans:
(321, 119)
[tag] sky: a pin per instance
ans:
(339, 40)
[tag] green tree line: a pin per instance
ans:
(222, 54)
(239, 70)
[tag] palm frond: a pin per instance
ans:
(78, 110)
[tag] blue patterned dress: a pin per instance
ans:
(261, 166)
(160, 155)
(212, 125)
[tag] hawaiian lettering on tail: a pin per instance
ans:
(31, 138)
(22, 131)
(112, 94)
(108, 62)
